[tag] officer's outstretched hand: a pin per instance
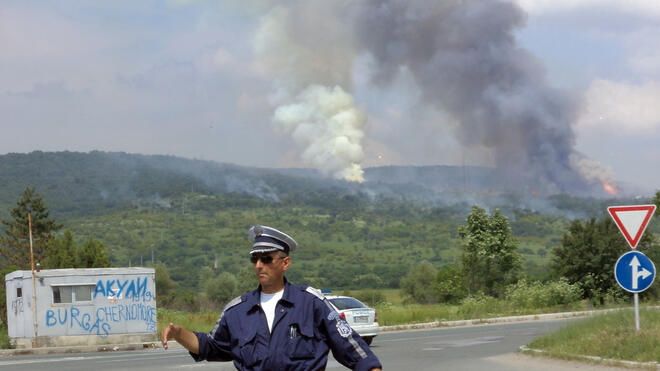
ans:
(170, 332)
(184, 337)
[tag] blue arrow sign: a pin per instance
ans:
(634, 271)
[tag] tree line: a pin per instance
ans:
(49, 251)
(373, 245)
(582, 265)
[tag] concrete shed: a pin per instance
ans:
(81, 307)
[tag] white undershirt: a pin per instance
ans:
(268, 303)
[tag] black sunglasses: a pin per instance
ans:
(265, 259)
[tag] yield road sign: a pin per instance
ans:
(632, 221)
(634, 271)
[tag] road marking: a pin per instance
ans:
(476, 341)
(433, 348)
(124, 359)
(115, 357)
(26, 361)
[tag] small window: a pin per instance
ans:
(62, 294)
(72, 294)
(19, 292)
(84, 293)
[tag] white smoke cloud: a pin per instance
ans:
(311, 77)
(591, 170)
(648, 8)
(327, 124)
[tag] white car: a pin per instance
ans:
(361, 318)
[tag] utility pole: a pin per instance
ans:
(34, 287)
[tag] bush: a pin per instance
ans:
(418, 282)
(221, 289)
(480, 306)
(449, 286)
(5, 341)
(534, 295)
(371, 297)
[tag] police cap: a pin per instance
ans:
(267, 239)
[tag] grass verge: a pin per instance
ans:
(471, 308)
(389, 314)
(202, 322)
(4, 339)
(611, 335)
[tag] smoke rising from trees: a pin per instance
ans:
(463, 57)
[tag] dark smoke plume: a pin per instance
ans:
(463, 56)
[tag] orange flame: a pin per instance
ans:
(610, 189)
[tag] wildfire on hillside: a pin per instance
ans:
(609, 188)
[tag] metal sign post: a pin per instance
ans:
(636, 311)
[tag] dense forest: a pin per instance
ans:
(192, 216)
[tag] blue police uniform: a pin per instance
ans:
(305, 328)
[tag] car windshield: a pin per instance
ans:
(346, 303)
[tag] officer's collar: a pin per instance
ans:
(254, 298)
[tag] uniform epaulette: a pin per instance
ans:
(315, 292)
(235, 301)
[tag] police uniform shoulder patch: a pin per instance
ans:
(315, 292)
(344, 329)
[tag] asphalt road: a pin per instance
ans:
(487, 347)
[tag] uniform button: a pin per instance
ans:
(281, 310)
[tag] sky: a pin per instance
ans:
(293, 84)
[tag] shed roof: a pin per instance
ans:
(80, 272)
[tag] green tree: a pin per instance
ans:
(164, 284)
(449, 284)
(15, 245)
(221, 289)
(246, 280)
(656, 201)
(588, 252)
(369, 280)
(61, 253)
(418, 282)
(93, 254)
(490, 260)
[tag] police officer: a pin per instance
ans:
(278, 326)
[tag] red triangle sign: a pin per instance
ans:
(632, 221)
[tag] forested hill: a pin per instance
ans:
(82, 184)
(190, 214)
(79, 184)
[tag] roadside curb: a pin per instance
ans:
(79, 349)
(600, 360)
(484, 321)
